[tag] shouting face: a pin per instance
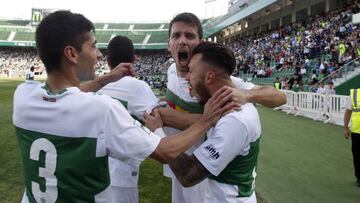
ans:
(183, 38)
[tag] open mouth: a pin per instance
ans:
(183, 56)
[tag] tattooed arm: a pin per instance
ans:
(188, 170)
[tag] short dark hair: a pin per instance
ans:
(217, 54)
(120, 50)
(189, 18)
(58, 30)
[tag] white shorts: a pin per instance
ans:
(194, 194)
(124, 194)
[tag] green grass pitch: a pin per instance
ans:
(300, 161)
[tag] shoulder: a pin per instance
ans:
(172, 69)
(96, 102)
(246, 119)
(27, 87)
(241, 84)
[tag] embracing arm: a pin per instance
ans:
(123, 69)
(188, 170)
(264, 95)
(177, 119)
(172, 146)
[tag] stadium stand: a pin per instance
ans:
(4, 35)
(166, 26)
(24, 36)
(103, 38)
(146, 26)
(14, 22)
(300, 49)
(158, 37)
(121, 26)
(99, 25)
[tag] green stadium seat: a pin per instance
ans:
(158, 37)
(103, 38)
(4, 35)
(121, 26)
(24, 36)
(146, 26)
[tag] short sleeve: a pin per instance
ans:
(125, 139)
(224, 142)
(143, 100)
(241, 84)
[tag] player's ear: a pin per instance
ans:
(210, 77)
(71, 54)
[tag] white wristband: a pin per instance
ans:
(160, 132)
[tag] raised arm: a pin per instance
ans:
(123, 69)
(264, 95)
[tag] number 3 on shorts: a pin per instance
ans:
(50, 195)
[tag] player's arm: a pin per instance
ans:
(188, 170)
(177, 119)
(123, 69)
(264, 95)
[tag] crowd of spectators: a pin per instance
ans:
(15, 62)
(315, 48)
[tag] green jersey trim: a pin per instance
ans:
(125, 104)
(177, 103)
(241, 171)
(49, 92)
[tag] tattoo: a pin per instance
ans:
(188, 170)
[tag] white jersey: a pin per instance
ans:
(65, 139)
(230, 155)
(138, 98)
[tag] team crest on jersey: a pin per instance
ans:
(212, 151)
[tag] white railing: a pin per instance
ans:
(326, 108)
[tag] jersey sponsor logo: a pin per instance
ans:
(212, 151)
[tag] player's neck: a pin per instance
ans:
(57, 81)
(219, 84)
(181, 74)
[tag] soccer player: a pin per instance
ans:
(185, 32)
(228, 157)
(138, 98)
(30, 75)
(65, 135)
